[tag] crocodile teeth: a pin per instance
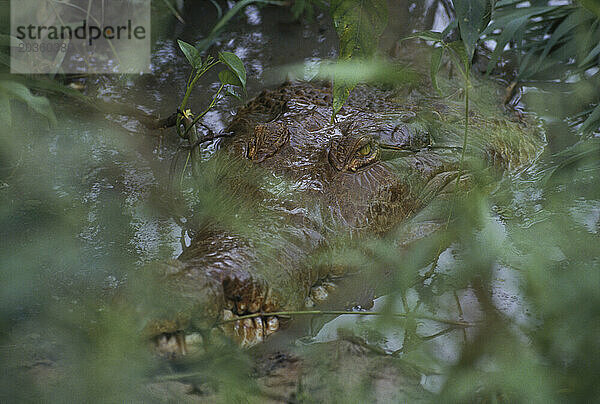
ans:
(269, 303)
(193, 342)
(271, 325)
(319, 293)
(249, 331)
(171, 345)
(227, 315)
(246, 332)
(259, 330)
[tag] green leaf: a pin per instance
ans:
(568, 24)
(453, 25)
(235, 65)
(591, 56)
(191, 53)
(426, 36)
(228, 77)
(41, 105)
(341, 92)
(473, 17)
(505, 3)
(436, 63)
(459, 54)
(5, 114)
(525, 71)
(508, 34)
(592, 5)
(592, 123)
(233, 94)
(359, 26)
(504, 16)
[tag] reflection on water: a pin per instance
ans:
(587, 213)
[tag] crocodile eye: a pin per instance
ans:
(365, 154)
(352, 153)
(365, 150)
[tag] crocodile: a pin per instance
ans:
(288, 179)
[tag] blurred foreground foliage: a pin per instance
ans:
(69, 236)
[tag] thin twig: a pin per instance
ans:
(466, 136)
(460, 313)
(460, 169)
(438, 334)
(362, 343)
(426, 338)
(343, 312)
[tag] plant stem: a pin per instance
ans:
(190, 86)
(462, 156)
(430, 272)
(187, 160)
(212, 104)
(343, 312)
(188, 91)
(192, 136)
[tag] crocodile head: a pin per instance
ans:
(337, 167)
(307, 177)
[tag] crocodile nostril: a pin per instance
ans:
(251, 149)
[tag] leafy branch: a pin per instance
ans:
(359, 24)
(234, 76)
(472, 18)
(553, 46)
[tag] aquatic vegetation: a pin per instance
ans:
(498, 304)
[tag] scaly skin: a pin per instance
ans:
(294, 180)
